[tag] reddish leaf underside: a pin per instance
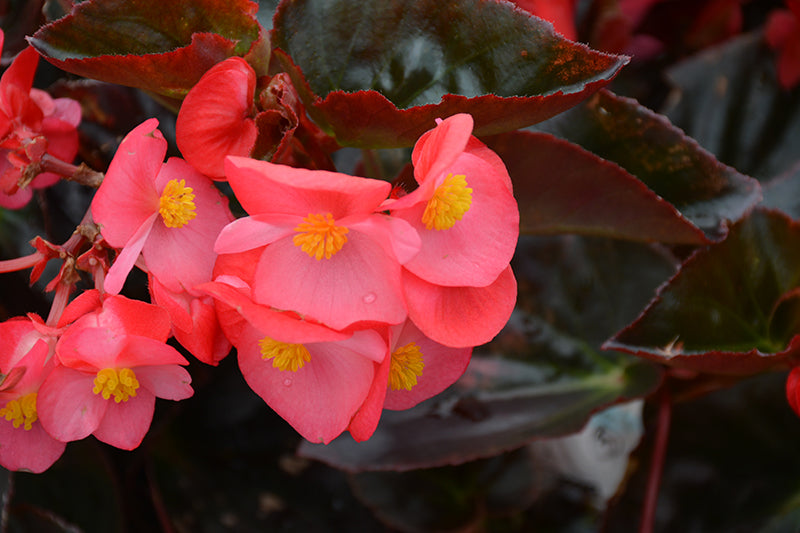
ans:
(401, 65)
(731, 307)
(562, 188)
(164, 47)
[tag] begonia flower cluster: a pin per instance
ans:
(342, 295)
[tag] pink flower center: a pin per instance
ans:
(448, 204)
(21, 412)
(176, 204)
(121, 383)
(284, 356)
(406, 366)
(319, 236)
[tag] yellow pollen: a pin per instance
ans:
(21, 412)
(176, 204)
(406, 367)
(448, 204)
(284, 356)
(121, 383)
(319, 236)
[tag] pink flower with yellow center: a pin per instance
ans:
(314, 377)
(114, 362)
(329, 255)
(168, 213)
(25, 361)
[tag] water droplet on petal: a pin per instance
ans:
(287, 382)
(369, 298)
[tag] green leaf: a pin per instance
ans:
(542, 376)
(164, 47)
(671, 164)
(732, 307)
(562, 188)
(377, 74)
(728, 99)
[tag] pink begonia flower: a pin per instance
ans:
(168, 212)
(114, 362)
(464, 208)
(783, 36)
(194, 322)
(330, 255)
(28, 115)
(314, 377)
(216, 118)
(417, 369)
(25, 361)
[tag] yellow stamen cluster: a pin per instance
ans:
(122, 383)
(319, 236)
(284, 356)
(176, 204)
(406, 366)
(448, 204)
(21, 412)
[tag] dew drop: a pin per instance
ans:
(287, 382)
(369, 298)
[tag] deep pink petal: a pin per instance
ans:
(85, 302)
(443, 366)
(171, 382)
(365, 421)
(360, 283)
(215, 117)
(135, 317)
(318, 400)
(32, 450)
(125, 424)
(68, 409)
(263, 187)
(128, 196)
(460, 316)
(255, 231)
(142, 351)
(438, 148)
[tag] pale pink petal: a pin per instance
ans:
(127, 197)
(263, 187)
(397, 236)
(89, 349)
(32, 450)
(460, 316)
(171, 382)
(360, 283)
(124, 262)
(126, 423)
(443, 366)
(318, 400)
(368, 343)
(255, 231)
(142, 351)
(67, 408)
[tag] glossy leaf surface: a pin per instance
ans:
(377, 74)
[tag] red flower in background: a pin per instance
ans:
(783, 36)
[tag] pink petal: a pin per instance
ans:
(85, 302)
(89, 349)
(443, 366)
(135, 317)
(124, 262)
(264, 187)
(397, 236)
(438, 148)
(141, 351)
(127, 197)
(365, 421)
(170, 382)
(33, 450)
(360, 283)
(319, 399)
(67, 408)
(460, 317)
(247, 233)
(215, 117)
(125, 424)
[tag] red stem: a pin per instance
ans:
(657, 461)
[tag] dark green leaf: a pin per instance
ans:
(164, 47)
(562, 188)
(671, 164)
(377, 74)
(732, 307)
